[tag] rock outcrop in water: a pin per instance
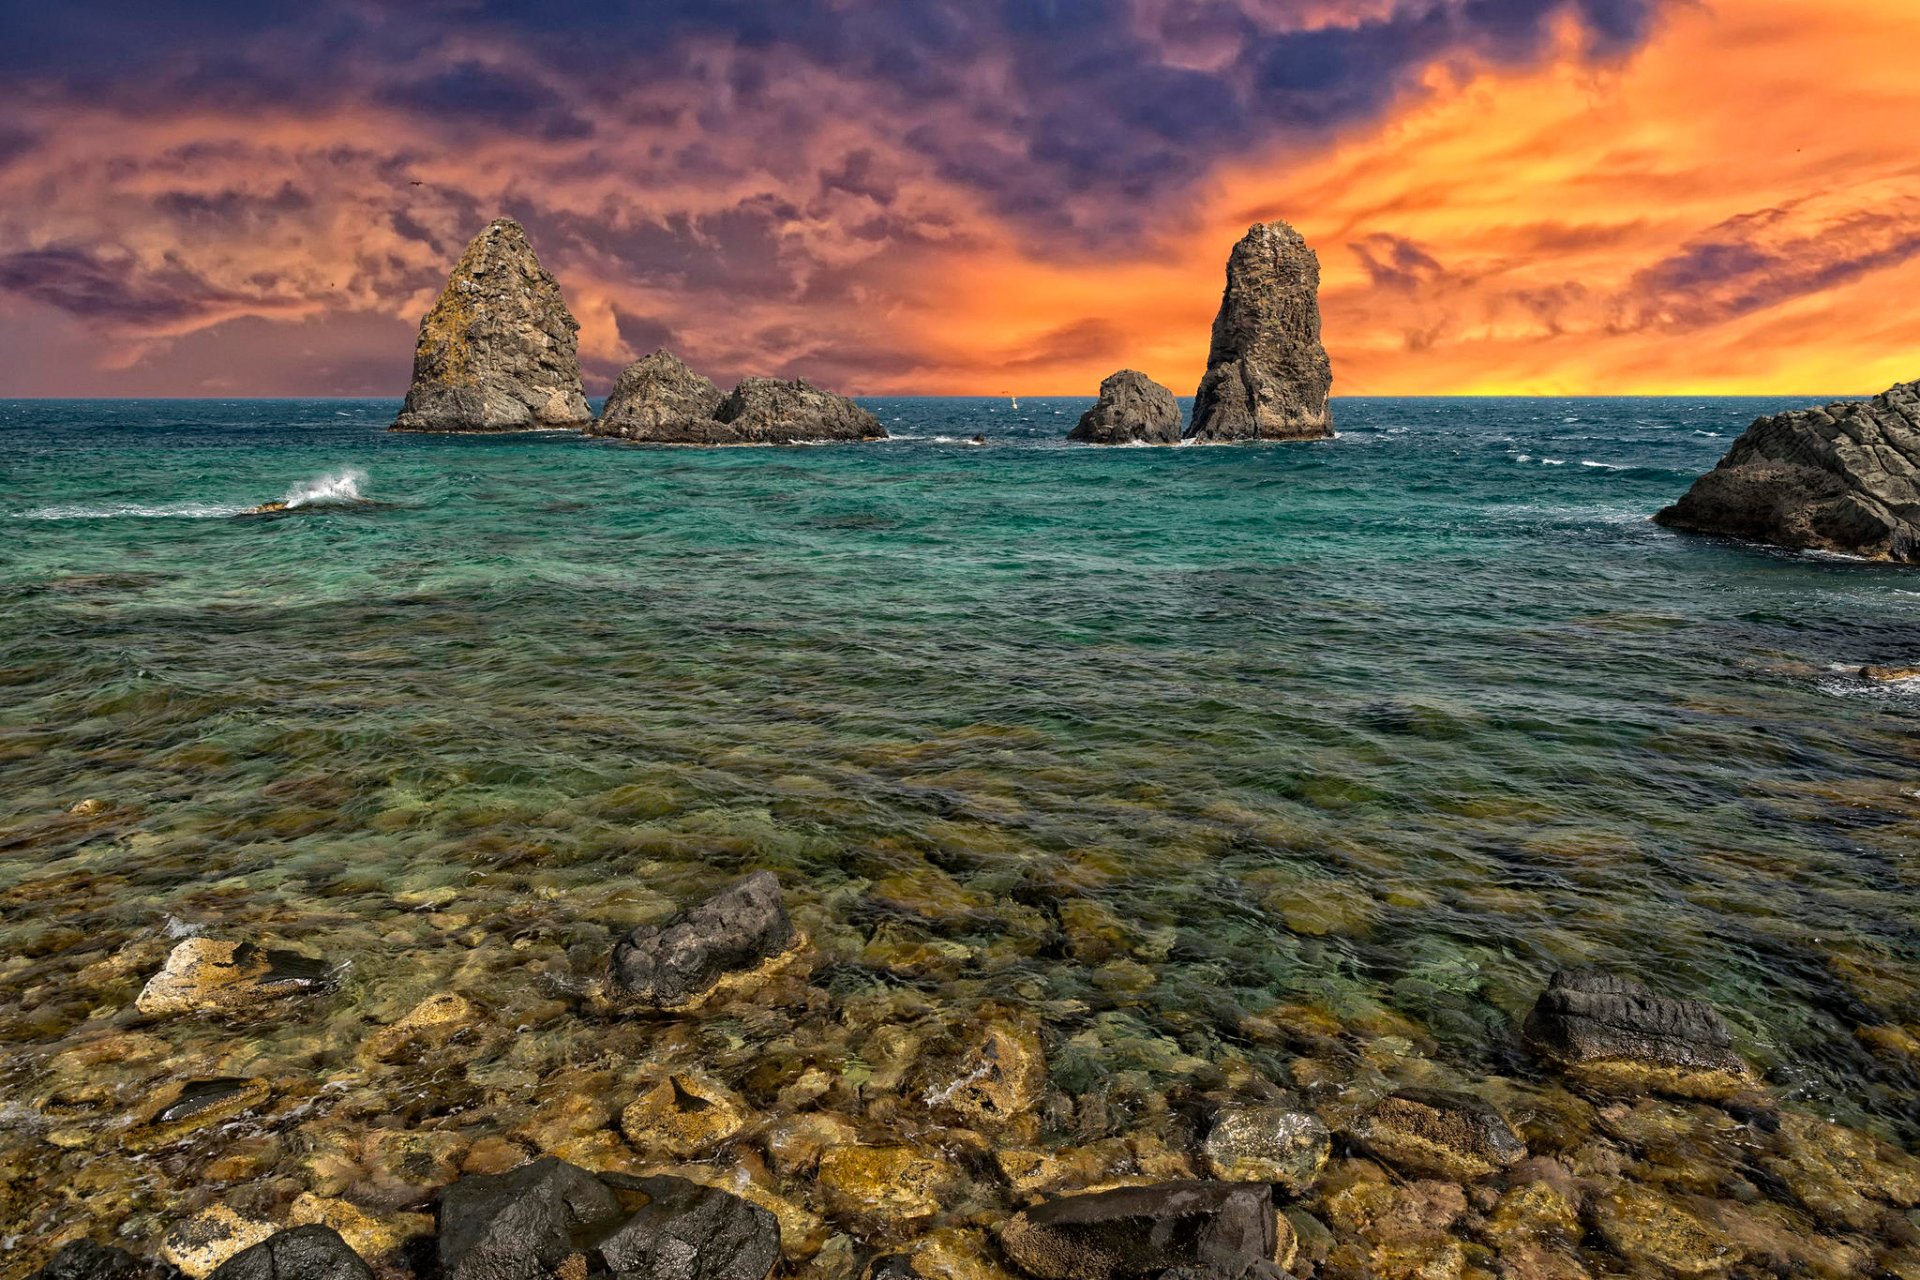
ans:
(660, 400)
(680, 964)
(1267, 373)
(499, 351)
(1132, 409)
(1845, 478)
(1614, 1032)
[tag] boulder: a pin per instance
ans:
(1268, 1144)
(690, 1232)
(206, 973)
(1614, 1032)
(1267, 375)
(1132, 409)
(522, 1224)
(1844, 478)
(299, 1253)
(1217, 1227)
(682, 963)
(659, 399)
(769, 411)
(499, 351)
(86, 1260)
(198, 1245)
(1442, 1134)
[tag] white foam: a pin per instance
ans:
(337, 487)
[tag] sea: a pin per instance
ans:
(1164, 747)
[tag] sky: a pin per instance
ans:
(967, 196)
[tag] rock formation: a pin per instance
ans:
(1143, 1231)
(658, 398)
(1613, 1032)
(1267, 374)
(207, 973)
(499, 351)
(1844, 478)
(681, 963)
(1439, 1133)
(661, 401)
(1132, 409)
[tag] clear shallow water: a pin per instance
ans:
(1387, 728)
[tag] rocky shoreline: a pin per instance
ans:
(847, 1142)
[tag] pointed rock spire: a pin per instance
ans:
(1267, 374)
(499, 351)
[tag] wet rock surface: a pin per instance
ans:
(1276, 1144)
(299, 1253)
(1132, 409)
(499, 351)
(208, 973)
(690, 1232)
(1843, 478)
(658, 398)
(1613, 1030)
(726, 937)
(1441, 1133)
(1267, 375)
(524, 1224)
(90, 1260)
(1143, 1231)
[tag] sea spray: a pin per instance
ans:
(336, 487)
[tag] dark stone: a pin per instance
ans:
(660, 399)
(300, 1253)
(1224, 1227)
(1442, 1134)
(690, 1232)
(1243, 1269)
(1845, 478)
(891, 1266)
(769, 411)
(197, 1096)
(1132, 409)
(1585, 1017)
(87, 1260)
(1267, 373)
(499, 351)
(522, 1224)
(681, 962)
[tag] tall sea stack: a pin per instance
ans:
(1844, 478)
(499, 351)
(1267, 374)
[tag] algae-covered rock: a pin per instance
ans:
(683, 1114)
(207, 973)
(180, 1107)
(1141, 1231)
(1651, 1230)
(1441, 1134)
(1274, 1144)
(499, 351)
(199, 1244)
(997, 1079)
(886, 1189)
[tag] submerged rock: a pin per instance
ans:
(1889, 675)
(1614, 1032)
(682, 1115)
(200, 1244)
(1844, 478)
(523, 1224)
(179, 1107)
(1142, 1231)
(1646, 1228)
(1267, 373)
(300, 1253)
(769, 411)
(1132, 409)
(690, 1232)
(1439, 1133)
(682, 963)
(499, 351)
(658, 398)
(886, 1190)
(1268, 1144)
(206, 973)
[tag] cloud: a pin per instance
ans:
(115, 290)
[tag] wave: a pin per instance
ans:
(336, 488)
(339, 488)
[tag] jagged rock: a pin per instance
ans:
(1613, 1032)
(87, 1260)
(769, 411)
(1845, 478)
(682, 963)
(1132, 409)
(206, 973)
(1438, 1133)
(499, 351)
(299, 1253)
(690, 1232)
(659, 399)
(1267, 374)
(1268, 1144)
(522, 1224)
(1142, 1231)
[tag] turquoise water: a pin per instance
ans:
(1166, 745)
